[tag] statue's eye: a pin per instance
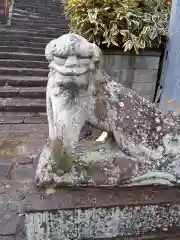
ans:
(84, 57)
(63, 57)
(59, 60)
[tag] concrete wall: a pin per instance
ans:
(138, 72)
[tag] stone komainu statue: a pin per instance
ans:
(79, 91)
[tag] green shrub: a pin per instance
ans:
(126, 24)
(10, 2)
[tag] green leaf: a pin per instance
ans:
(131, 23)
(114, 43)
(124, 32)
(144, 30)
(153, 34)
(128, 45)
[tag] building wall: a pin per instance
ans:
(138, 72)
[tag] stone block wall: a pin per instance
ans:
(138, 72)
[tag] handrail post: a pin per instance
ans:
(170, 77)
(6, 9)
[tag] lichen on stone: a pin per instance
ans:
(79, 92)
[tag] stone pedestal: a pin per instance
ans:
(103, 213)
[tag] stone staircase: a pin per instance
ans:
(23, 67)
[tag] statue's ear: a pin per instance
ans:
(49, 50)
(97, 55)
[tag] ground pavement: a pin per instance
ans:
(21, 140)
(20, 145)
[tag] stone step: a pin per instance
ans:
(22, 117)
(8, 92)
(22, 105)
(59, 22)
(23, 64)
(23, 92)
(33, 92)
(39, 39)
(59, 12)
(39, 7)
(49, 30)
(22, 49)
(23, 71)
(22, 56)
(40, 33)
(121, 213)
(37, 25)
(38, 12)
(22, 44)
(41, 2)
(18, 15)
(26, 13)
(23, 81)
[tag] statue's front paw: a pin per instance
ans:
(154, 178)
(43, 179)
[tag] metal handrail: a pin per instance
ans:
(6, 10)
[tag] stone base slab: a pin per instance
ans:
(103, 213)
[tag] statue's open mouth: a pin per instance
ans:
(68, 71)
(73, 86)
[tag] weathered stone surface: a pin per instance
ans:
(5, 159)
(82, 198)
(11, 118)
(150, 97)
(27, 118)
(78, 90)
(23, 46)
(9, 226)
(7, 92)
(102, 223)
(22, 63)
(35, 118)
(145, 76)
(116, 61)
(127, 68)
(4, 129)
(20, 135)
(144, 88)
(8, 238)
(22, 144)
(146, 62)
(2, 82)
(33, 131)
(123, 76)
(130, 213)
(22, 173)
(21, 159)
(11, 197)
(35, 92)
(22, 105)
(100, 165)
(4, 170)
(26, 81)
